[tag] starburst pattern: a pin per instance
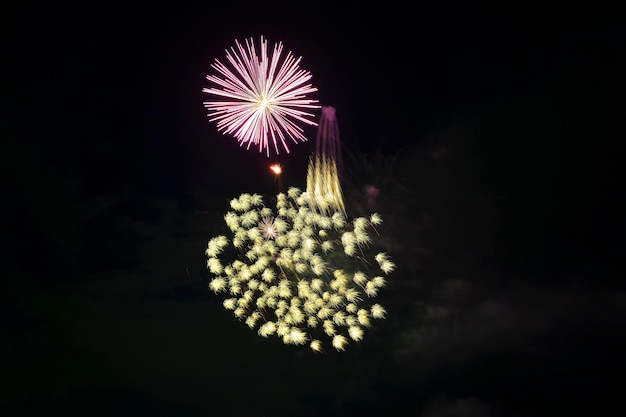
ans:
(268, 228)
(261, 101)
(291, 279)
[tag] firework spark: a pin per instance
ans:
(261, 101)
(276, 169)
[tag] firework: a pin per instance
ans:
(276, 169)
(324, 173)
(297, 274)
(261, 101)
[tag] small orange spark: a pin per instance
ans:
(276, 169)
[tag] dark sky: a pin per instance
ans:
(394, 75)
(494, 135)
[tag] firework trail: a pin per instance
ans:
(325, 166)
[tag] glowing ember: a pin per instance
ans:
(276, 169)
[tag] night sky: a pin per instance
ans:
(495, 137)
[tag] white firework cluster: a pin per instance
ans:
(299, 274)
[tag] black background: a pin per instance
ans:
(494, 135)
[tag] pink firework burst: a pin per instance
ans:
(261, 101)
